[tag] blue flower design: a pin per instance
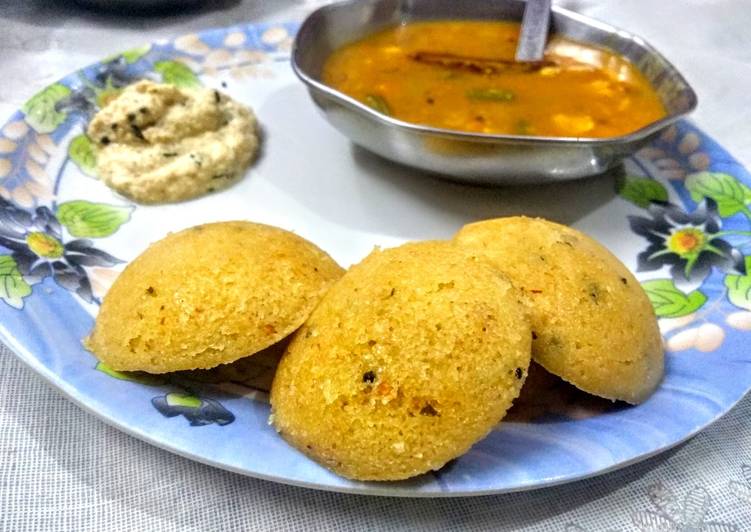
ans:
(198, 411)
(689, 243)
(108, 79)
(35, 240)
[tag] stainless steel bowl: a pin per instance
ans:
(477, 157)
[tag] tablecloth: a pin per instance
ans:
(63, 469)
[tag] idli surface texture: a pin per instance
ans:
(210, 295)
(411, 358)
(592, 323)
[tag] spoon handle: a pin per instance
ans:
(534, 32)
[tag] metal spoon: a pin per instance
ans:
(534, 32)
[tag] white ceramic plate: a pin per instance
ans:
(64, 237)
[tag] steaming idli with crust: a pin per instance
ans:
(592, 323)
(210, 295)
(411, 358)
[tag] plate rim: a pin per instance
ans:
(373, 488)
(384, 489)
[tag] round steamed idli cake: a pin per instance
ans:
(210, 295)
(592, 323)
(411, 358)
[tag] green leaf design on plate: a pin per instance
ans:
(106, 94)
(491, 95)
(739, 287)
(183, 399)
(177, 74)
(379, 103)
(81, 151)
(133, 376)
(95, 220)
(13, 287)
(641, 191)
(134, 54)
(40, 109)
(731, 195)
(130, 56)
(670, 302)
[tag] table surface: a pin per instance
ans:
(63, 469)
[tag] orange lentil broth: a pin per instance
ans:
(461, 75)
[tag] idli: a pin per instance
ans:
(411, 358)
(592, 323)
(210, 295)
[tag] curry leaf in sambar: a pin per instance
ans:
(641, 191)
(176, 73)
(92, 220)
(739, 288)
(40, 110)
(670, 302)
(13, 287)
(731, 195)
(491, 95)
(81, 151)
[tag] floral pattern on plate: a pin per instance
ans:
(682, 211)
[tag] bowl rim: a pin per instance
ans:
(491, 138)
